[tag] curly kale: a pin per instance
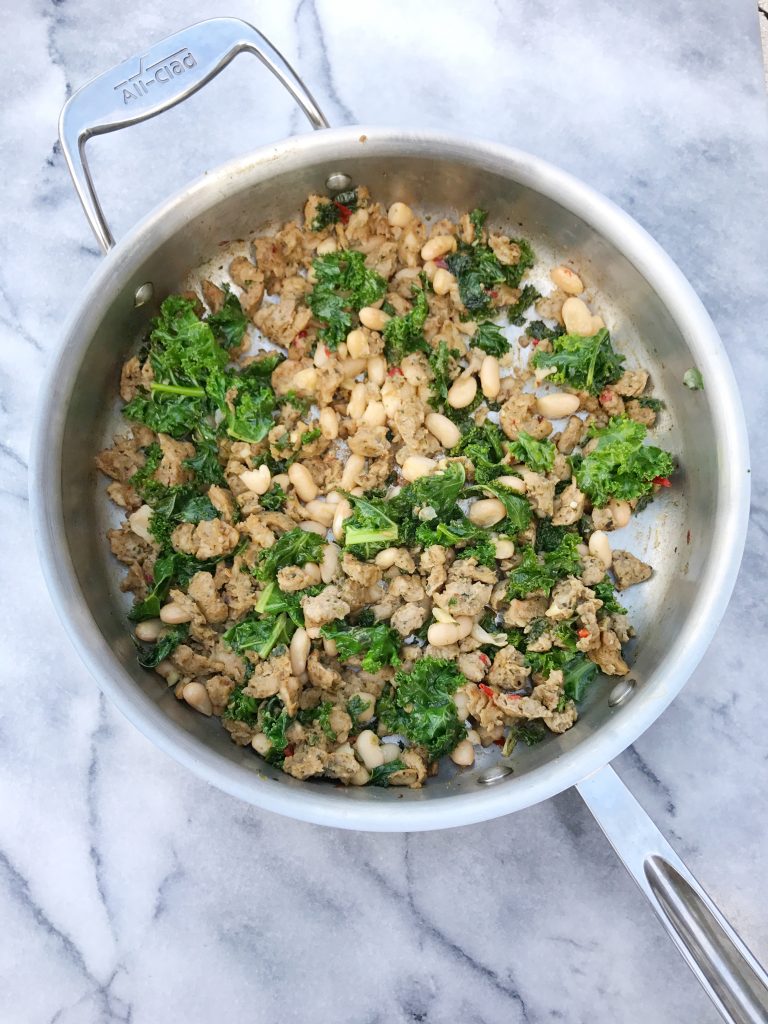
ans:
(343, 285)
(584, 363)
(540, 572)
(420, 706)
(620, 466)
(537, 455)
(379, 645)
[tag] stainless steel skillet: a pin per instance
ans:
(694, 539)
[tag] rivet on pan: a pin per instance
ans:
(143, 294)
(495, 774)
(338, 182)
(621, 692)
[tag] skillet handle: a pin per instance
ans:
(145, 86)
(731, 976)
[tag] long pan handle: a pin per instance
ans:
(732, 977)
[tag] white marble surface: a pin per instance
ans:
(129, 891)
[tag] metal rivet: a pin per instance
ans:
(338, 182)
(621, 692)
(495, 774)
(143, 294)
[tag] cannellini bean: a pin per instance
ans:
(350, 368)
(196, 695)
(577, 317)
(566, 280)
(430, 269)
(261, 744)
(305, 380)
(437, 247)
(368, 747)
(351, 473)
(372, 318)
(463, 754)
(310, 526)
(361, 777)
(320, 512)
(490, 378)
(465, 624)
(443, 281)
(358, 402)
(343, 511)
(474, 737)
(301, 478)
(557, 405)
(166, 670)
(621, 512)
(299, 650)
(329, 563)
(514, 483)
(330, 648)
(445, 430)
(329, 423)
(390, 752)
(461, 700)
(416, 466)
(149, 631)
(357, 344)
(312, 573)
(504, 548)
(257, 480)
(600, 547)
(487, 512)
(399, 215)
(282, 480)
(443, 634)
(377, 370)
(387, 558)
(139, 522)
(375, 414)
(327, 245)
(370, 710)
(462, 392)
(173, 614)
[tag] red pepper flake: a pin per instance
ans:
(494, 294)
(662, 481)
(486, 690)
(688, 537)
(606, 396)
(326, 350)
(485, 659)
(148, 577)
(344, 211)
(393, 371)
(289, 750)
(583, 633)
(499, 742)
(534, 342)
(441, 263)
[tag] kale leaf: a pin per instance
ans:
(331, 211)
(370, 528)
(537, 455)
(578, 671)
(343, 285)
(584, 363)
(440, 361)
(405, 334)
(518, 508)
(230, 323)
(379, 645)
(516, 312)
(151, 655)
(477, 269)
(320, 714)
(620, 466)
(541, 572)
(489, 338)
(241, 707)
(606, 592)
(274, 499)
(296, 547)
(381, 775)
(420, 705)
(485, 446)
(260, 635)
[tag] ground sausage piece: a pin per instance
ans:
(306, 762)
(408, 619)
(519, 413)
(369, 441)
(521, 612)
(433, 563)
(268, 677)
(213, 295)
(364, 573)
(203, 592)
(540, 491)
(121, 460)
(592, 570)
(608, 655)
(569, 506)
(219, 690)
(171, 470)
(509, 671)
(640, 413)
(631, 383)
(473, 665)
(629, 570)
(571, 436)
(210, 538)
(325, 607)
(461, 597)
(295, 577)
(223, 501)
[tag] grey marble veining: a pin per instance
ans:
(131, 892)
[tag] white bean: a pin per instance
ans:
(351, 473)
(462, 392)
(504, 548)
(387, 558)
(437, 247)
(443, 634)
(166, 670)
(600, 547)
(375, 414)
(320, 512)
(514, 483)
(577, 317)
(301, 478)
(368, 747)
(357, 344)
(621, 512)
(490, 378)
(465, 624)
(173, 614)
(329, 563)
(399, 215)
(461, 700)
(257, 480)
(566, 280)
(196, 695)
(305, 380)
(370, 706)
(149, 631)
(487, 512)
(327, 245)
(310, 526)
(330, 648)
(463, 754)
(557, 405)
(390, 752)
(358, 402)
(350, 368)
(361, 777)
(443, 281)
(374, 319)
(139, 522)
(445, 430)
(299, 650)
(377, 370)
(343, 511)
(430, 269)
(329, 423)
(416, 466)
(261, 744)
(282, 480)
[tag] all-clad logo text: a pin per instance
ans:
(160, 72)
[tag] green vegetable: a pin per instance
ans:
(439, 491)
(587, 364)
(370, 528)
(380, 776)
(322, 715)
(343, 285)
(516, 312)
(329, 211)
(230, 323)
(541, 572)
(539, 331)
(274, 499)
(247, 402)
(355, 707)
(379, 645)
(484, 552)
(518, 508)
(241, 707)
(260, 635)
(485, 446)
(548, 537)
(440, 363)
(405, 334)
(477, 269)
(693, 379)
(477, 219)
(205, 462)
(171, 568)
(152, 655)
(273, 720)
(489, 338)
(420, 706)
(272, 601)
(578, 671)
(606, 592)
(530, 733)
(620, 466)
(171, 414)
(457, 530)
(647, 402)
(537, 455)
(297, 547)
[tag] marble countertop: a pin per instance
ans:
(132, 892)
